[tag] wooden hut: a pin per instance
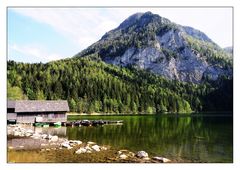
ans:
(31, 111)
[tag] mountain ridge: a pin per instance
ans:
(148, 41)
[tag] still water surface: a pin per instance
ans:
(194, 138)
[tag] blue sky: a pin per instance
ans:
(45, 34)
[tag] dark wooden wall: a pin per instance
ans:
(47, 117)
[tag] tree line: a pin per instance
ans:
(94, 86)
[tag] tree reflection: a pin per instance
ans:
(207, 139)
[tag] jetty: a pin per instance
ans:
(92, 122)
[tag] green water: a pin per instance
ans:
(194, 138)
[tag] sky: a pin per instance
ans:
(46, 34)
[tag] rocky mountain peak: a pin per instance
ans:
(148, 41)
(196, 34)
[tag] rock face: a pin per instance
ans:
(148, 41)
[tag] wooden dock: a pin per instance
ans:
(92, 122)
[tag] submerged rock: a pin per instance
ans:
(161, 159)
(91, 143)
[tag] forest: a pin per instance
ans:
(92, 86)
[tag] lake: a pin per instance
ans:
(192, 138)
(195, 138)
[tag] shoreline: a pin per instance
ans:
(204, 114)
(25, 146)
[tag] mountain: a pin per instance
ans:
(146, 65)
(153, 43)
(229, 50)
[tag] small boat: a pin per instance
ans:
(45, 125)
(38, 124)
(85, 123)
(57, 124)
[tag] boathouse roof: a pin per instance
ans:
(39, 105)
(10, 104)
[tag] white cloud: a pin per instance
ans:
(33, 52)
(86, 25)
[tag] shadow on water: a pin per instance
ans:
(196, 138)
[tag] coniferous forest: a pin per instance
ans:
(92, 86)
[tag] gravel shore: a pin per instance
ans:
(24, 146)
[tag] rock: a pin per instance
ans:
(96, 148)
(88, 148)
(10, 132)
(36, 136)
(49, 137)
(161, 159)
(91, 143)
(28, 134)
(65, 145)
(54, 139)
(69, 147)
(10, 147)
(75, 142)
(16, 133)
(21, 134)
(146, 159)
(103, 148)
(131, 154)
(29, 131)
(142, 154)
(43, 144)
(81, 150)
(88, 151)
(123, 156)
(44, 136)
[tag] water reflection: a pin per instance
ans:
(59, 131)
(202, 139)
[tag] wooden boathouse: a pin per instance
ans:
(32, 111)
